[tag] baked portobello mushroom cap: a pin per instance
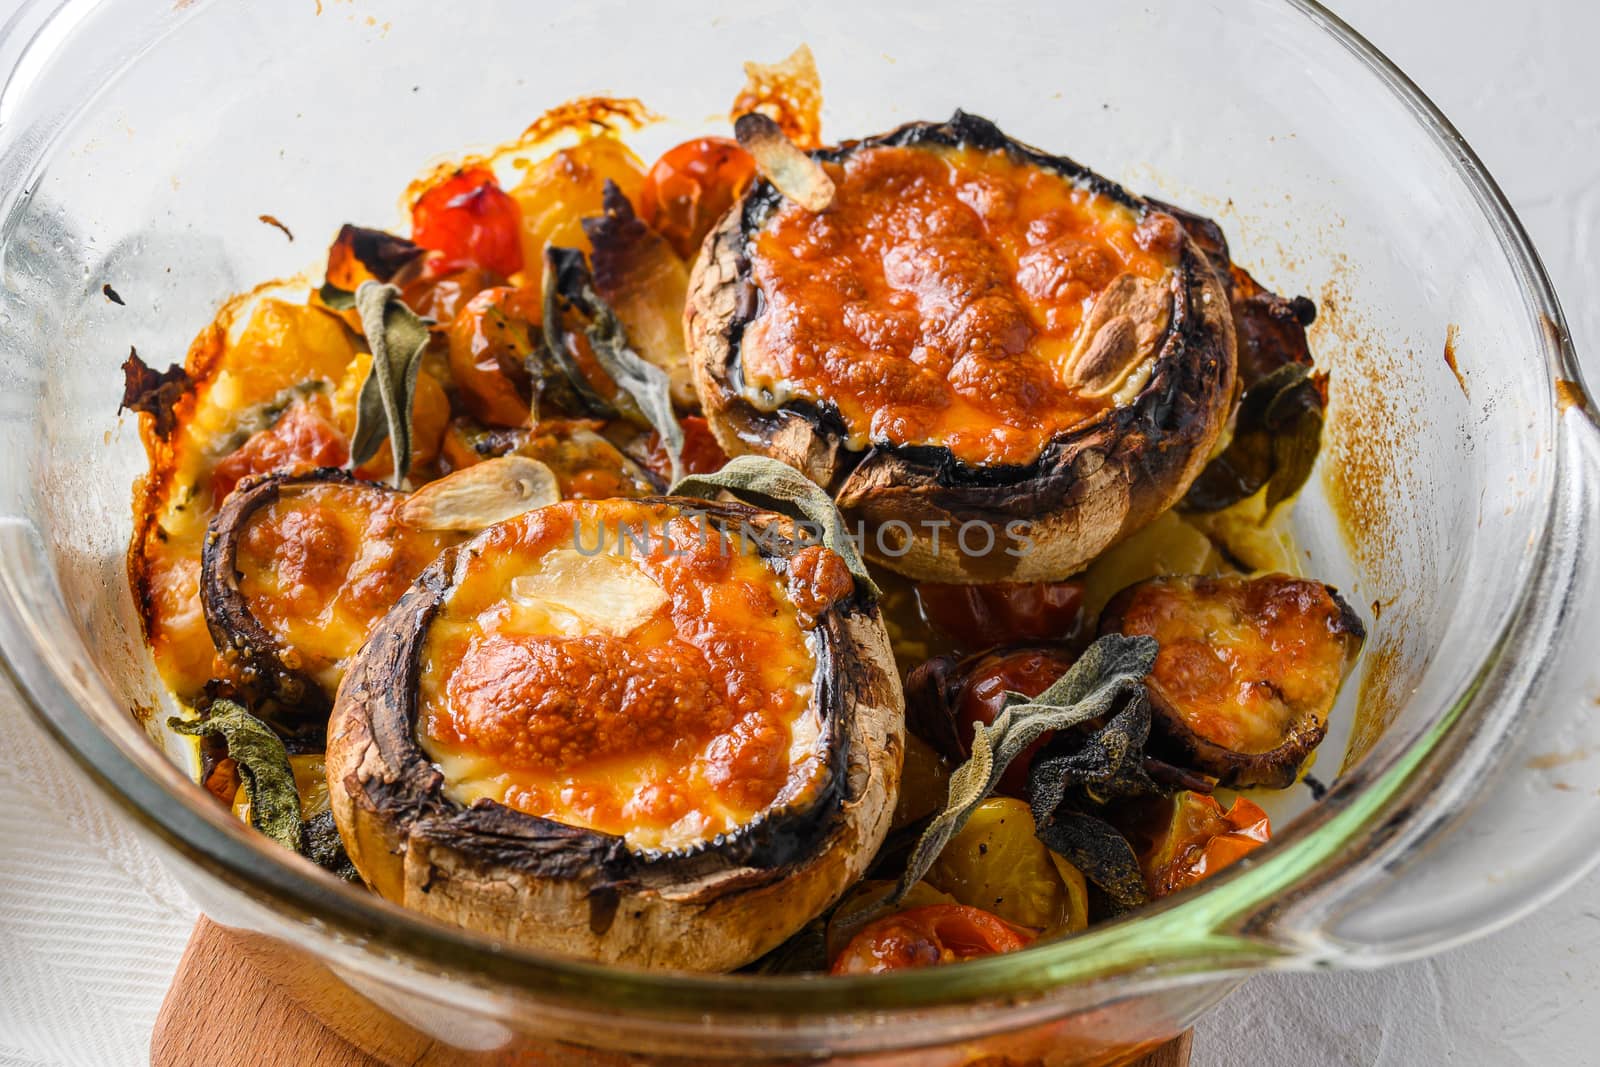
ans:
(430, 825)
(1148, 384)
(1248, 670)
(296, 569)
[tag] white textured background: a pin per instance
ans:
(88, 920)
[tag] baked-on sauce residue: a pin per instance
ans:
(1242, 660)
(938, 300)
(656, 687)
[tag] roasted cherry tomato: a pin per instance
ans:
(997, 863)
(1028, 671)
(473, 221)
(701, 453)
(924, 783)
(439, 293)
(856, 909)
(302, 436)
(1200, 839)
(1004, 613)
(921, 937)
(691, 186)
(489, 341)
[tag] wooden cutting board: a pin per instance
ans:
(220, 1009)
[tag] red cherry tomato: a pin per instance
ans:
(439, 291)
(982, 616)
(691, 187)
(489, 340)
(300, 437)
(1200, 839)
(473, 221)
(701, 453)
(1028, 671)
(921, 937)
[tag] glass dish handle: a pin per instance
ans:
(1487, 846)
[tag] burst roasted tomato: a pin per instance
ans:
(473, 221)
(1199, 839)
(982, 616)
(921, 937)
(691, 187)
(1028, 671)
(490, 340)
(302, 436)
(701, 453)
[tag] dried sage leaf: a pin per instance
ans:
(397, 336)
(335, 298)
(321, 844)
(1106, 764)
(1110, 671)
(1096, 849)
(263, 764)
(645, 395)
(765, 483)
(641, 278)
(1074, 776)
(154, 393)
(1277, 435)
(358, 249)
(1294, 417)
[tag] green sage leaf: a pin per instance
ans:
(335, 298)
(1110, 671)
(397, 336)
(263, 765)
(645, 395)
(1074, 776)
(1100, 852)
(1277, 434)
(321, 844)
(766, 483)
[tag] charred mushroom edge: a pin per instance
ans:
(1276, 768)
(710, 907)
(235, 631)
(1091, 485)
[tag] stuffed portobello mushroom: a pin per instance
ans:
(647, 731)
(297, 569)
(1248, 671)
(997, 360)
(516, 570)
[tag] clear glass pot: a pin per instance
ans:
(139, 143)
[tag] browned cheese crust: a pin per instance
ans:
(1090, 485)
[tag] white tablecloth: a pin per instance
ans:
(91, 927)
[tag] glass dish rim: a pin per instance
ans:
(1176, 936)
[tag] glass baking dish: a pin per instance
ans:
(1459, 505)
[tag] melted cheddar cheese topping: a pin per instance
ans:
(1242, 660)
(320, 565)
(618, 666)
(263, 399)
(939, 300)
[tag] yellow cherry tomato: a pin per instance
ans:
(997, 864)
